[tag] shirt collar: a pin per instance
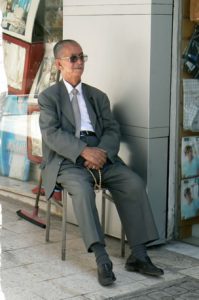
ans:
(70, 87)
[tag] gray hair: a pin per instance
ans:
(61, 44)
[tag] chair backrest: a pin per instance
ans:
(34, 141)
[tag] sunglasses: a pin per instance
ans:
(74, 58)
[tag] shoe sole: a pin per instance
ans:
(107, 281)
(134, 269)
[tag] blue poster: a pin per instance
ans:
(13, 138)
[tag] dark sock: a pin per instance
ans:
(139, 252)
(100, 254)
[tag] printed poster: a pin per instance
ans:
(190, 157)
(13, 138)
(19, 17)
(47, 74)
(189, 198)
(191, 104)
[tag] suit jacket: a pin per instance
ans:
(57, 126)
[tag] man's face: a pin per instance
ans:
(190, 154)
(188, 197)
(71, 71)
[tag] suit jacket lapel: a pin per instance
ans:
(67, 109)
(65, 103)
(90, 105)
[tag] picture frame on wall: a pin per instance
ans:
(190, 198)
(190, 157)
(22, 61)
(19, 17)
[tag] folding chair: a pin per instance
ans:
(36, 157)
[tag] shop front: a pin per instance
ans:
(184, 172)
(29, 31)
(135, 53)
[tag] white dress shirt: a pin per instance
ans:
(85, 119)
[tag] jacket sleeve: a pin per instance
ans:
(110, 138)
(55, 138)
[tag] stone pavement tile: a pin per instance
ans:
(191, 285)
(175, 290)
(16, 277)
(19, 241)
(21, 226)
(78, 298)
(37, 253)
(182, 248)
(19, 293)
(9, 260)
(84, 281)
(167, 277)
(116, 291)
(171, 290)
(143, 297)
(159, 295)
(171, 260)
(193, 272)
(189, 296)
(53, 290)
(47, 252)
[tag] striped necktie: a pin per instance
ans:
(76, 112)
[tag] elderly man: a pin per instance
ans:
(80, 146)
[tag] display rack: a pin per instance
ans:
(188, 127)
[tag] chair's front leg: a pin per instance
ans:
(48, 220)
(64, 220)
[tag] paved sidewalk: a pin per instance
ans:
(31, 269)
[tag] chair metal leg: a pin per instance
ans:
(64, 220)
(48, 220)
(103, 210)
(122, 242)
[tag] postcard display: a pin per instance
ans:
(189, 199)
(23, 54)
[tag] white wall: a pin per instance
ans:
(129, 47)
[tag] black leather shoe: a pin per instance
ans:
(144, 267)
(105, 274)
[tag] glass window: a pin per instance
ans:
(29, 29)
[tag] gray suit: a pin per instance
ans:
(62, 164)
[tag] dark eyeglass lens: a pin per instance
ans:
(74, 58)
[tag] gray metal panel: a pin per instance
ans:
(129, 59)
(116, 7)
(160, 71)
(117, 64)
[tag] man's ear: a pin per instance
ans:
(58, 64)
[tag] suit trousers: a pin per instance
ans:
(128, 192)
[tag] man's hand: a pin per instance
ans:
(95, 158)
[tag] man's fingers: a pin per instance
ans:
(92, 166)
(95, 156)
